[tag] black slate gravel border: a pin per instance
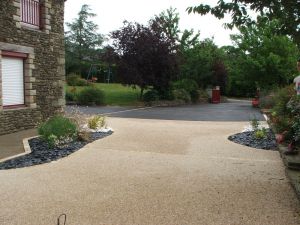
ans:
(41, 153)
(248, 139)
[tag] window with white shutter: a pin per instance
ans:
(12, 81)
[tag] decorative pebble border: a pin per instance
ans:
(248, 139)
(41, 153)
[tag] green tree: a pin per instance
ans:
(287, 12)
(82, 40)
(261, 57)
(168, 20)
(198, 62)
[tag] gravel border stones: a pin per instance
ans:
(41, 153)
(248, 139)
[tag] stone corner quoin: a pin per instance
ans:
(41, 44)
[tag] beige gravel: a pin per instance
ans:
(154, 172)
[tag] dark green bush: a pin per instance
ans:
(187, 84)
(194, 96)
(166, 94)
(76, 80)
(90, 96)
(58, 130)
(190, 86)
(70, 96)
(182, 94)
(150, 96)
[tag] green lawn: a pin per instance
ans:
(117, 94)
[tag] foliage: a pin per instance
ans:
(96, 122)
(75, 80)
(285, 113)
(70, 97)
(198, 62)
(203, 95)
(254, 123)
(282, 97)
(267, 99)
(150, 96)
(168, 20)
(187, 84)
(82, 41)
(294, 108)
(78, 118)
(286, 12)
(260, 133)
(261, 58)
(182, 94)
(219, 76)
(145, 55)
(190, 86)
(58, 130)
(90, 96)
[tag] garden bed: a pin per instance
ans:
(41, 153)
(248, 139)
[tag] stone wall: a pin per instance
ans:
(44, 68)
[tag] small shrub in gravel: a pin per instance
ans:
(90, 96)
(260, 134)
(96, 122)
(248, 139)
(58, 130)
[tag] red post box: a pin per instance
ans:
(216, 96)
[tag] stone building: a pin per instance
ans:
(32, 62)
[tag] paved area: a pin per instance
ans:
(231, 111)
(151, 172)
(11, 144)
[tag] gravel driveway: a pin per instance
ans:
(155, 172)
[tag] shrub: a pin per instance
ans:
(166, 94)
(203, 95)
(190, 86)
(151, 96)
(266, 99)
(254, 123)
(187, 84)
(261, 133)
(182, 94)
(96, 122)
(282, 115)
(282, 97)
(58, 130)
(90, 96)
(70, 96)
(194, 96)
(75, 80)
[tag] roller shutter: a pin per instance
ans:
(12, 81)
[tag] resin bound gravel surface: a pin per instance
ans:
(41, 153)
(248, 139)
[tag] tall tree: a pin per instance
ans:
(168, 20)
(287, 12)
(262, 57)
(82, 38)
(145, 56)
